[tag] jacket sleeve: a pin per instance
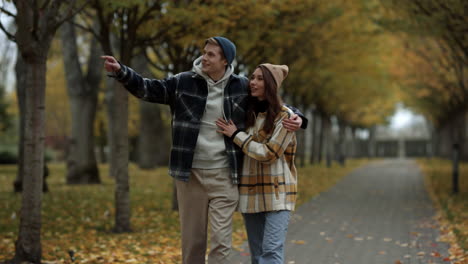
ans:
(305, 121)
(267, 152)
(151, 90)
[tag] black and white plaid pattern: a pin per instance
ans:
(186, 94)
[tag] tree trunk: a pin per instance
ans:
(81, 158)
(154, 138)
(321, 142)
(352, 147)
(341, 143)
(313, 142)
(372, 143)
(21, 75)
(328, 142)
(28, 245)
(301, 147)
(118, 168)
(175, 203)
(117, 111)
(36, 27)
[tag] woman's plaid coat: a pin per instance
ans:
(268, 178)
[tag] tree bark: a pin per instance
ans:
(117, 112)
(81, 158)
(313, 142)
(28, 245)
(328, 142)
(353, 151)
(372, 144)
(118, 139)
(154, 138)
(33, 38)
(301, 147)
(21, 74)
(341, 143)
(321, 139)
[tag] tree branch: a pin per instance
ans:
(157, 66)
(104, 31)
(71, 12)
(147, 14)
(88, 29)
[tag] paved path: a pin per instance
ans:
(378, 214)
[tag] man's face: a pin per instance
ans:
(213, 61)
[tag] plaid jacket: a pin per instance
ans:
(186, 94)
(269, 177)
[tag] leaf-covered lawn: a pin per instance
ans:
(80, 217)
(453, 209)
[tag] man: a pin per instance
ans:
(205, 164)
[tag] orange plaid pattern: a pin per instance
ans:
(269, 178)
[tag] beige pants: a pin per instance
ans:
(208, 194)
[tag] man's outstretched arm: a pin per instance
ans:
(151, 90)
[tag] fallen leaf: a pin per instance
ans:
(298, 242)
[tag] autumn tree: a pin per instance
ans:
(82, 90)
(433, 35)
(121, 33)
(334, 55)
(36, 25)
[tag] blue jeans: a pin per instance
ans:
(266, 233)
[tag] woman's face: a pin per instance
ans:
(257, 85)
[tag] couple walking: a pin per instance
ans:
(233, 148)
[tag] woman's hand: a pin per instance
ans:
(226, 128)
(111, 64)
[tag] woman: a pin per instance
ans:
(268, 186)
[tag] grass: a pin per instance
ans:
(453, 208)
(80, 217)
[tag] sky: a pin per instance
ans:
(5, 20)
(403, 118)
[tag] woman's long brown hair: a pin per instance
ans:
(271, 96)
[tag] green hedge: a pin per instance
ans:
(8, 157)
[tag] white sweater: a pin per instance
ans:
(210, 151)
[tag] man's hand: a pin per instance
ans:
(111, 64)
(293, 123)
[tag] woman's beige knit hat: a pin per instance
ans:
(279, 72)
